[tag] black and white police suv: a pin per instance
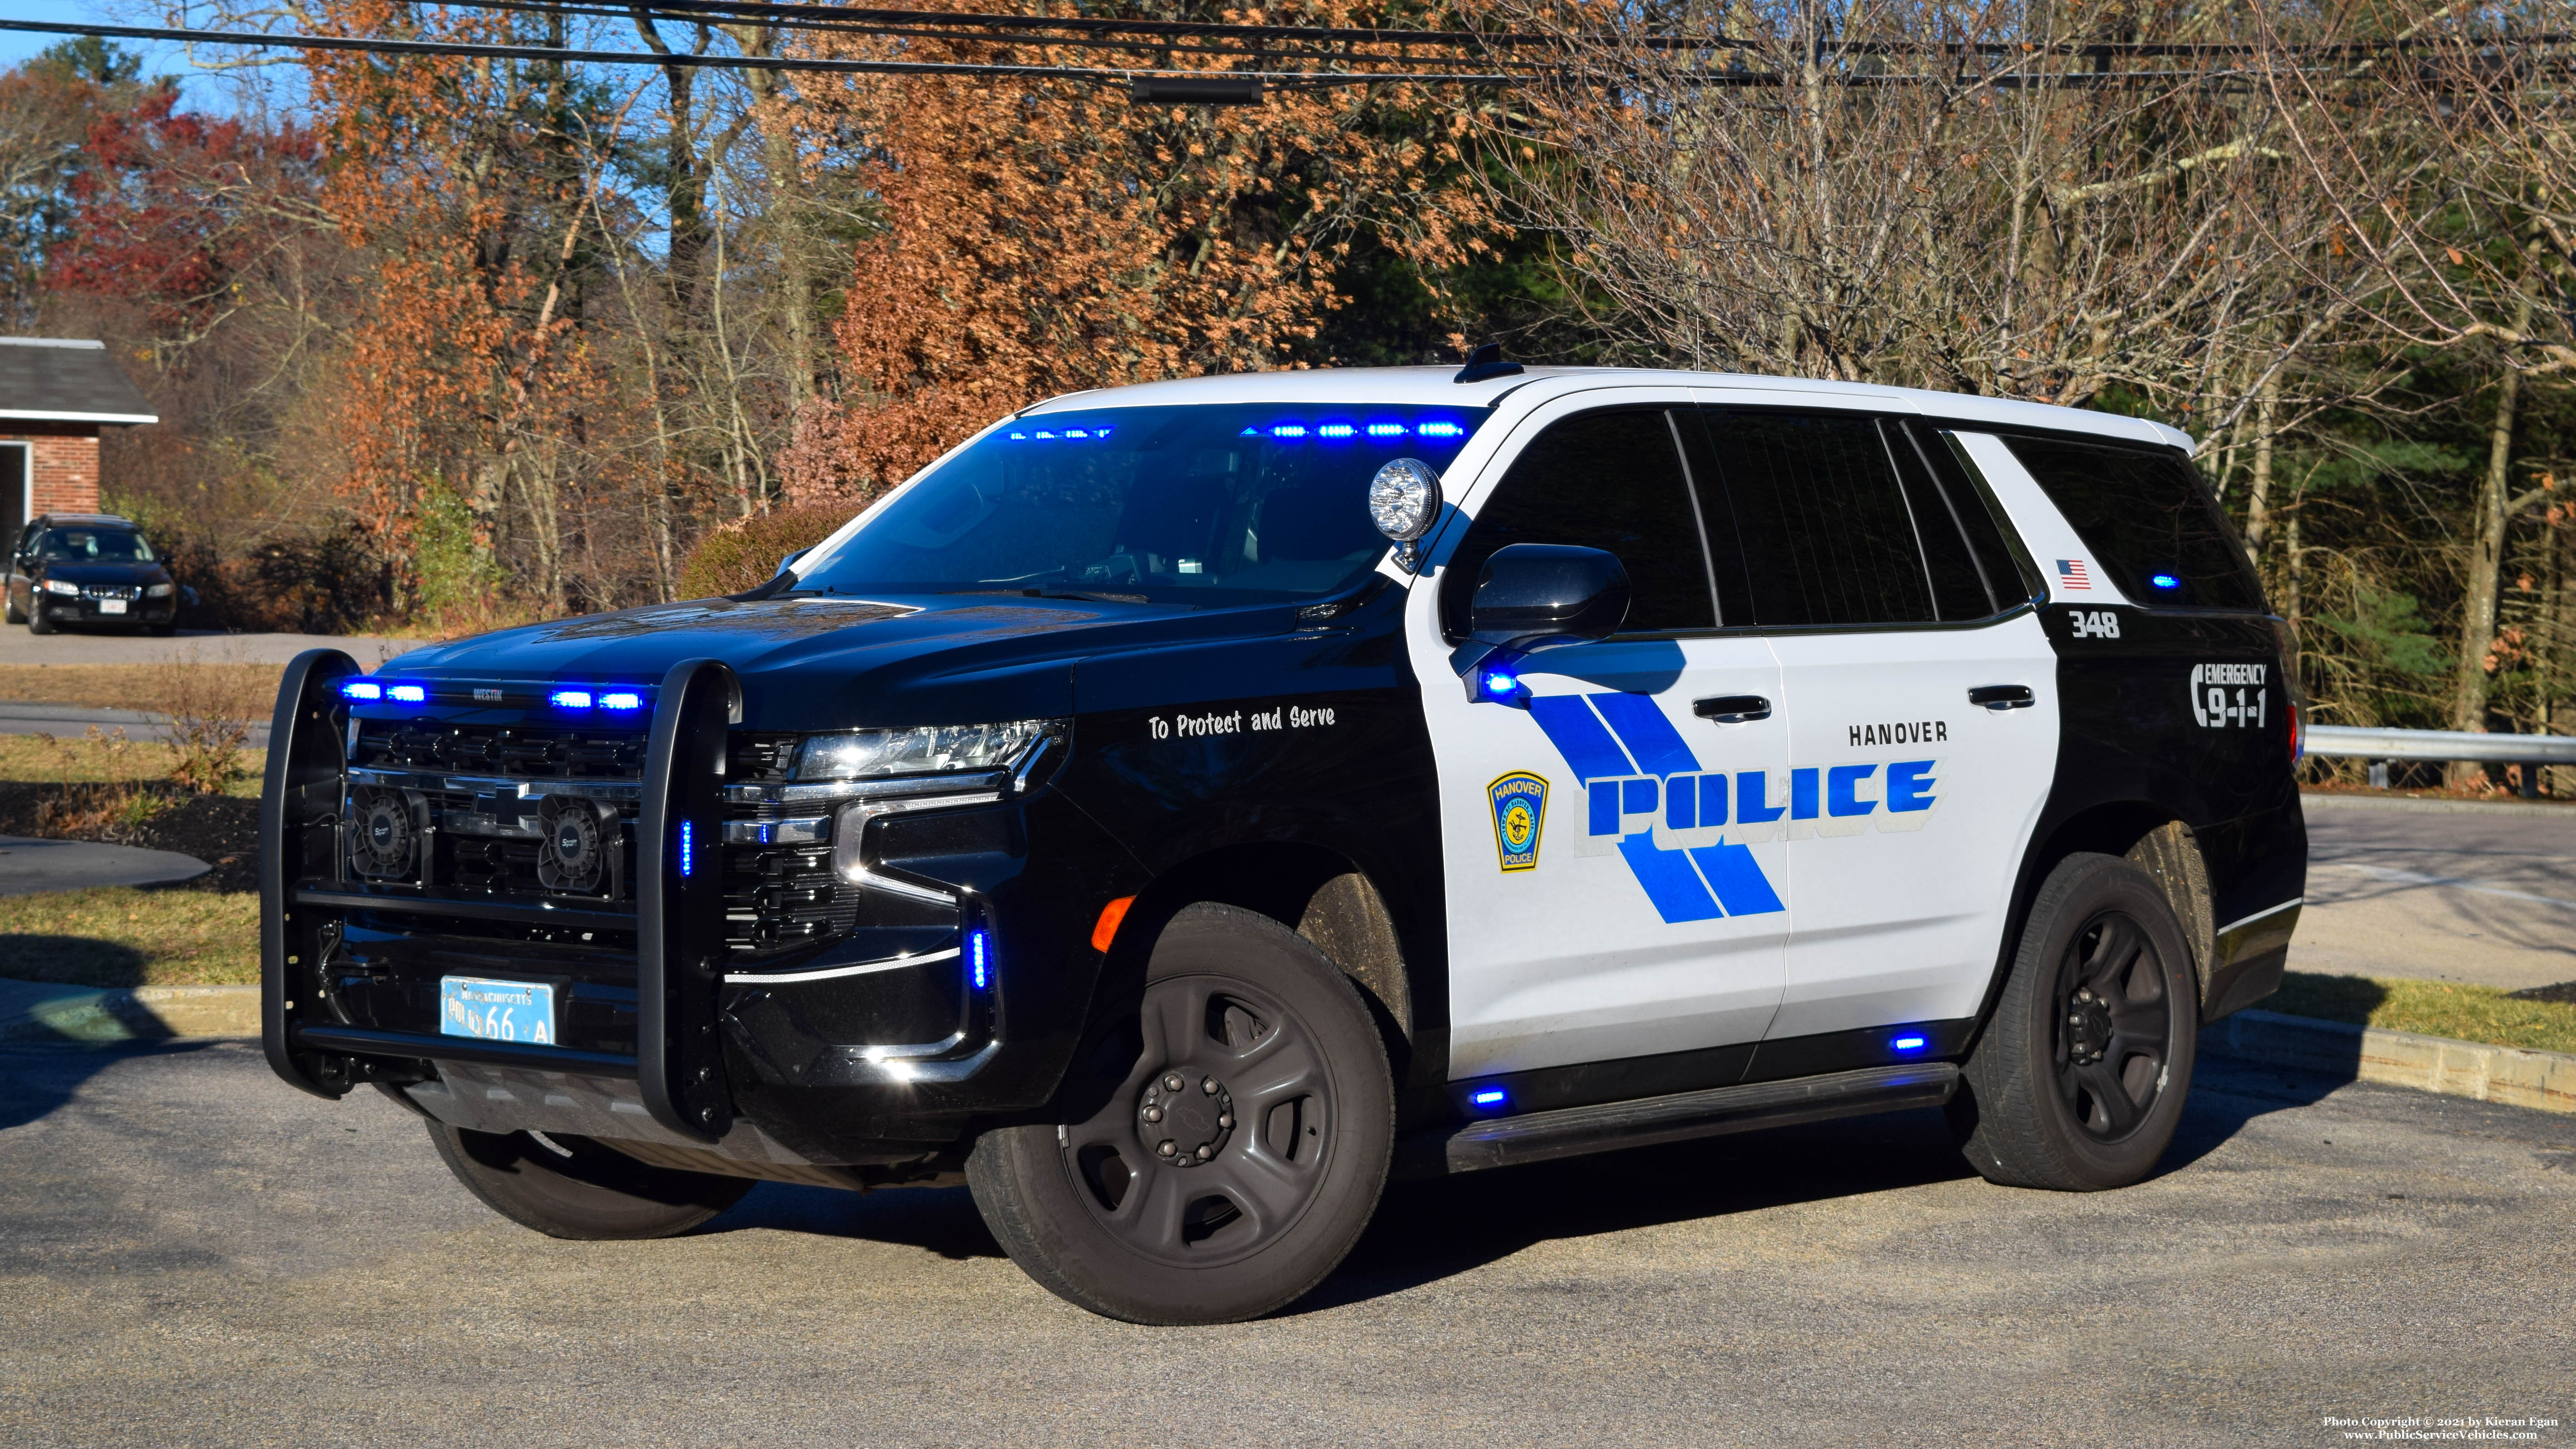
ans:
(1181, 807)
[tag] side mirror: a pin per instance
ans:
(789, 561)
(1534, 596)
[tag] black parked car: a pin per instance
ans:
(90, 569)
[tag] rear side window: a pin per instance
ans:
(1610, 480)
(1827, 530)
(2150, 524)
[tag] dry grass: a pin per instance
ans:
(122, 936)
(140, 686)
(2432, 1008)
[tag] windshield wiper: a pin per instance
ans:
(1088, 598)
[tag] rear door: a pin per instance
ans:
(1919, 695)
(1598, 907)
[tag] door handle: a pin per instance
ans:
(1733, 708)
(2002, 696)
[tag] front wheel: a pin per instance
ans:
(1220, 1142)
(2079, 1081)
(572, 1187)
(37, 623)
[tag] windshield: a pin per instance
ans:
(1218, 504)
(94, 545)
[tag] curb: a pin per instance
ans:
(2512, 1076)
(2312, 799)
(33, 1011)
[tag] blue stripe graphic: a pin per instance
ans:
(1669, 881)
(1738, 879)
(1649, 736)
(1577, 735)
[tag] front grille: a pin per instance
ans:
(777, 896)
(543, 814)
(111, 591)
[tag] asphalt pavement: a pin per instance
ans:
(2474, 894)
(198, 646)
(29, 865)
(193, 1253)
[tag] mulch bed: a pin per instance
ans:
(222, 830)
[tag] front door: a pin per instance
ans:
(1599, 907)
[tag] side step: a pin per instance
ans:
(1573, 1131)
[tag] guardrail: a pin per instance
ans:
(2353, 742)
(2381, 745)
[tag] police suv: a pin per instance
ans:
(1181, 807)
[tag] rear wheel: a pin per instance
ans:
(572, 1187)
(2079, 1081)
(1221, 1140)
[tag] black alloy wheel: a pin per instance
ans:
(2114, 1026)
(1221, 1138)
(2079, 1080)
(1219, 1133)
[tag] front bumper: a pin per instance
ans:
(60, 610)
(718, 1006)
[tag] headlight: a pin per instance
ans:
(57, 586)
(926, 750)
(157, 591)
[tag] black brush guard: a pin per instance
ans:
(679, 921)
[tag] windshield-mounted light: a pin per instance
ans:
(926, 750)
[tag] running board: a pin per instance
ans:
(1573, 1131)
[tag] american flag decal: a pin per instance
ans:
(2071, 575)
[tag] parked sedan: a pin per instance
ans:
(92, 569)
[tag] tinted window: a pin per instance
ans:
(94, 545)
(2008, 573)
(2150, 524)
(1608, 480)
(1217, 504)
(1961, 585)
(1827, 531)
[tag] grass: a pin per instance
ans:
(2432, 1008)
(129, 686)
(79, 760)
(123, 936)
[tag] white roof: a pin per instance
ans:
(1432, 386)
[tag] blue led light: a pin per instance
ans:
(1501, 683)
(1100, 432)
(1077, 433)
(1441, 430)
(1043, 434)
(1490, 1097)
(2164, 581)
(1336, 430)
(408, 693)
(1909, 1043)
(361, 689)
(1288, 430)
(621, 699)
(688, 849)
(571, 699)
(1249, 433)
(977, 963)
(1386, 430)
(1021, 437)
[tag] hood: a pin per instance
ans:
(105, 573)
(810, 662)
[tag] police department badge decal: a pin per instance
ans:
(1520, 812)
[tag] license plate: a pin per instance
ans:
(496, 1010)
(111, 606)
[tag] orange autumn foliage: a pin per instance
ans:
(1046, 236)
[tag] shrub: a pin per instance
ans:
(744, 553)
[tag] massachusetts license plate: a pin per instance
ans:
(496, 1010)
(111, 606)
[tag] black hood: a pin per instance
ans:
(105, 573)
(809, 662)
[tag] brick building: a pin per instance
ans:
(55, 396)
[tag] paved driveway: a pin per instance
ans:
(2443, 895)
(17, 646)
(192, 1253)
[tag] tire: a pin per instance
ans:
(1284, 1084)
(37, 623)
(16, 615)
(584, 1191)
(2078, 1082)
